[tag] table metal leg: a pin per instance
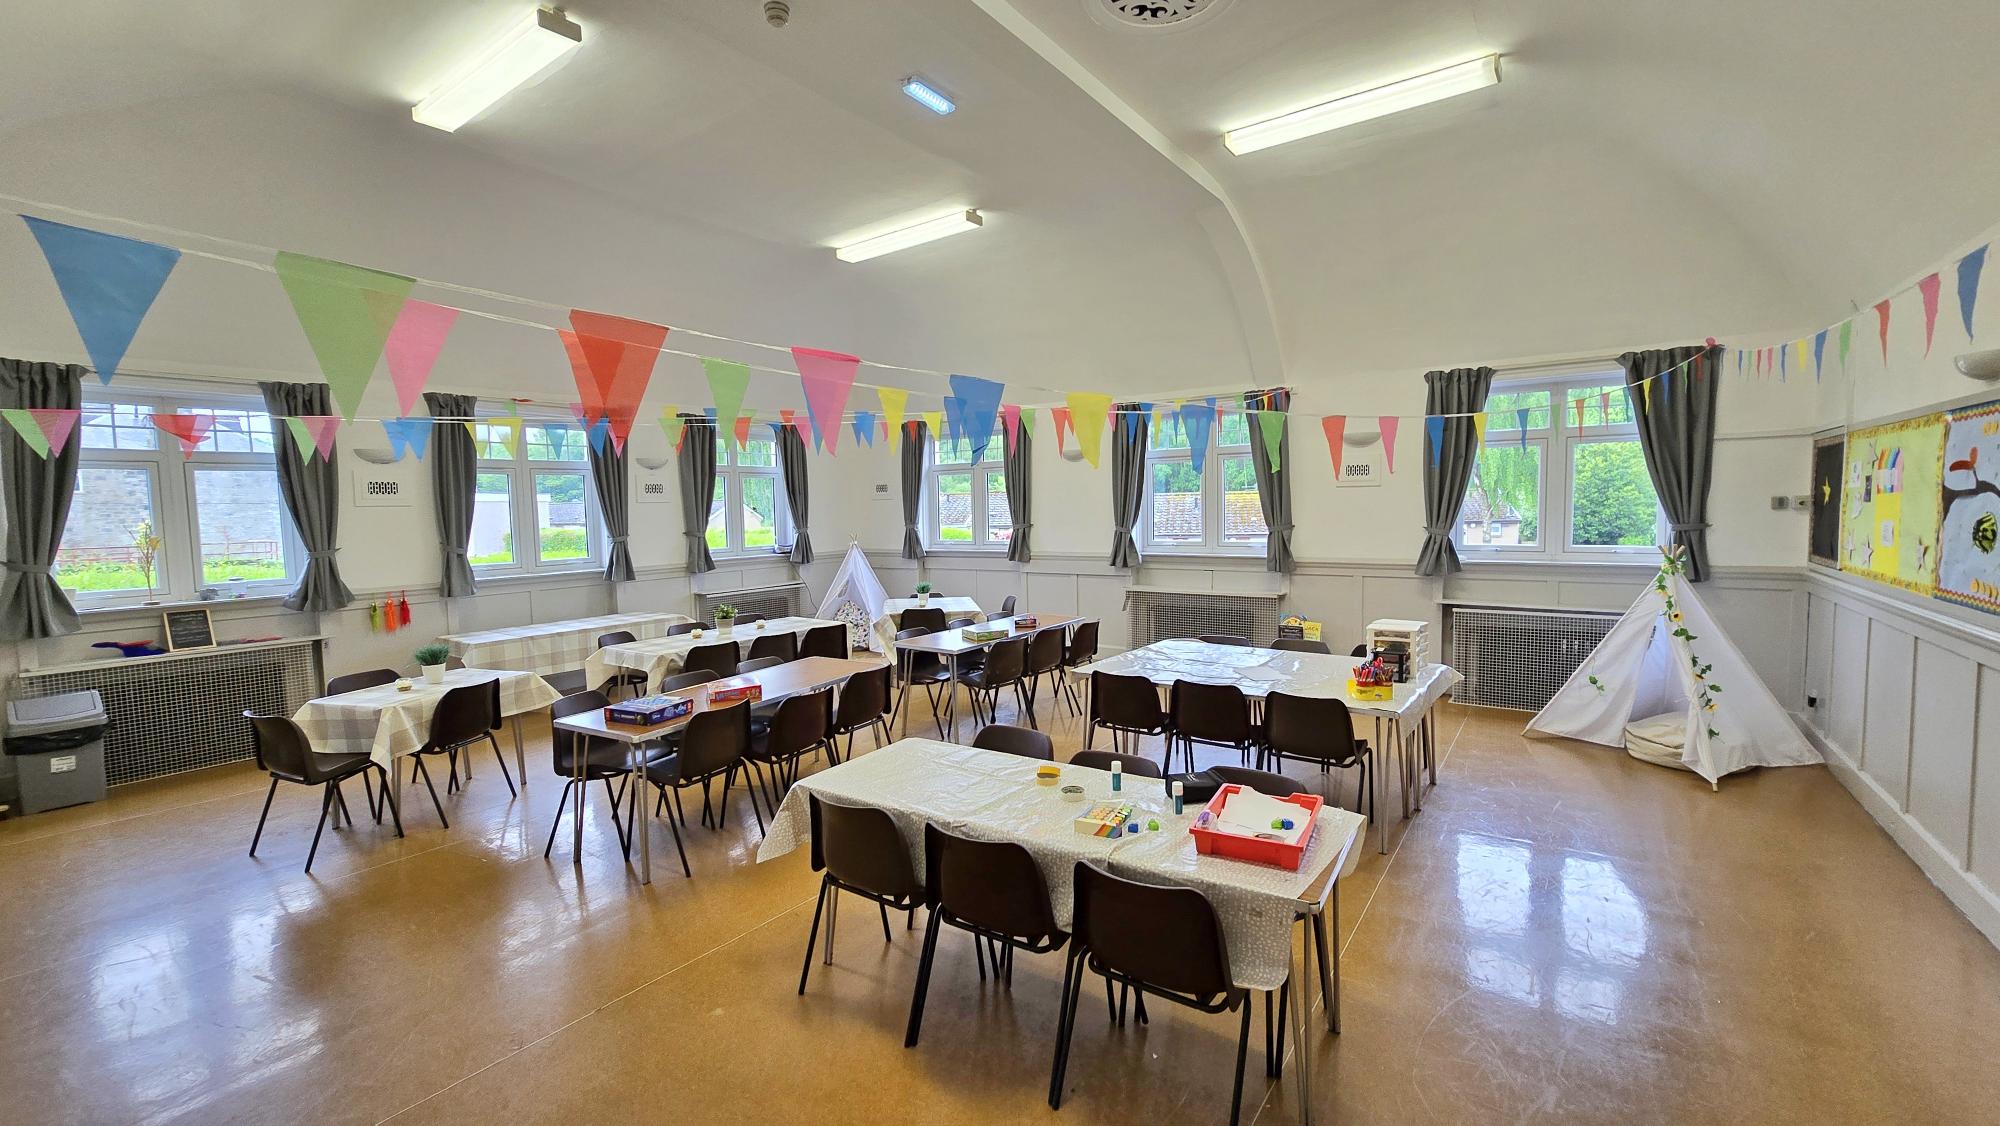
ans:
(641, 825)
(578, 795)
(902, 699)
(1378, 800)
(396, 780)
(1301, 1037)
(520, 753)
(951, 699)
(1326, 935)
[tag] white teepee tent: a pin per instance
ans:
(856, 597)
(1667, 677)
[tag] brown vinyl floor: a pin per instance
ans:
(1563, 935)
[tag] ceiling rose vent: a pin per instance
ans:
(1154, 15)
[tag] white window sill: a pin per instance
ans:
(1200, 553)
(592, 571)
(999, 550)
(1650, 560)
(109, 609)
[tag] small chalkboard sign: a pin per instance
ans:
(189, 629)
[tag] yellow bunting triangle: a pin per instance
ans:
(1479, 429)
(934, 422)
(894, 401)
(1087, 416)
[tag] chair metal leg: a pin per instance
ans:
(813, 934)
(674, 823)
(923, 980)
(1065, 1025)
(388, 799)
(425, 771)
(1242, 1053)
(886, 937)
(502, 760)
(368, 792)
(340, 802)
(325, 806)
(561, 803)
(259, 834)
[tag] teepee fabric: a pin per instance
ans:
(856, 598)
(1667, 657)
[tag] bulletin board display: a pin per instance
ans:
(1889, 503)
(1969, 500)
(1828, 458)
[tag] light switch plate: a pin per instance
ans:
(1779, 504)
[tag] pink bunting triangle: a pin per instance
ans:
(1335, 426)
(413, 347)
(1061, 417)
(828, 378)
(1010, 422)
(1387, 423)
(191, 429)
(57, 424)
(1882, 314)
(1929, 288)
(321, 427)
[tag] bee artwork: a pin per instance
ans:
(1888, 500)
(1969, 496)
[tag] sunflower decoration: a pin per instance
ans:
(1674, 616)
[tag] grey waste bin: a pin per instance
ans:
(57, 745)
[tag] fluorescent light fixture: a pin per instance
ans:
(533, 45)
(930, 230)
(928, 96)
(1366, 105)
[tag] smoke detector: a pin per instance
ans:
(1154, 15)
(777, 12)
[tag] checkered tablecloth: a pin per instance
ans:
(1260, 672)
(991, 796)
(551, 647)
(384, 723)
(661, 657)
(956, 606)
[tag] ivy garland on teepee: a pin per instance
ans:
(1670, 564)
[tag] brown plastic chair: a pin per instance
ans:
(601, 762)
(1299, 645)
(629, 679)
(284, 752)
(463, 717)
(784, 646)
(1138, 766)
(1011, 740)
(824, 641)
(679, 628)
(1359, 651)
(926, 671)
(961, 623)
(1262, 781)
(567, 683)
(1007, 606)
(356, 681)
(995, 890)
(718, 657)
(682, 681)
(1081, 651)
(858, 850)
(712, 746)
(1045, 658)
(758, 664)
(1216, 715)
(969, 660)
(799, 724)
(1006, 666)
(1318, 730)
(1128, 706)
(1166, 941)
(1225, 639)
(930, 619)
(751, 618)
(864, 702)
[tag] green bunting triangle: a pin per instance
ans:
(1272, 423)
(30, 430)
(726, 382)
(346, 312)
(302, 436)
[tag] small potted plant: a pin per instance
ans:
(431, 659)
(145, 547)
(725, 619)
(923, 594)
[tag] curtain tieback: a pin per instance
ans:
(27, 568)
(1282, 529)
(1695, 527)
(619, 539)
(1441, 533)
(453, 552)
(323, 553)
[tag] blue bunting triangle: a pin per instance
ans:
(864, 427)
(599, 433)
(1196, 420)
(408, 435)
(1968, 285)
(1434, 430)
(1819, 353)
(107, 281)
(979, 410)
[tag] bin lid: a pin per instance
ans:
(66, 711)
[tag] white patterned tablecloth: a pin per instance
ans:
(955, 606)
(991, 796)
(383, 723)
(1260, 672)
(551, 647)
(661, 657)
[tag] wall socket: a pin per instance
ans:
(1780, 504)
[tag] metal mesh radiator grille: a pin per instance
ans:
(1519, 658)
(776, 601)
(183, 712)
(1155, 615)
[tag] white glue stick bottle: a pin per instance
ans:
(1117, 777)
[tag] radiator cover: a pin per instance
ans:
(773, 601)
(1153, 614)
(1520, 658)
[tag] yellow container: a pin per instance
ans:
(1371, 691)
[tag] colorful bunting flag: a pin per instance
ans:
(1387, 425)
(1928, 288)
(1272, 424)
(1969, 268)
(301, 437)
(1479, 430)
(413, 346)
(1521, 425)
(598, 434)
(954, 419)
(1059, 417)
(674, 425)
(934, 423)
(1846, 341)
(1087, 416)
(741, 429)
(322, 427)
(864, 428)
(894, 400)
(1578, 405)
(1197, 421)
(408, 435)
(980, 399)
(1784, 361)
(506, 431)
(191, 429)
(107, 282)
(1028, 421)
(30, 430)
(347, 313)
(1335, 426)
(788, 417)
(1010, 425)
(727, 380)
(1819, 353)
(828, 378)
(1882, 314)
(612, 359)
(1434, 437)
(57, 424)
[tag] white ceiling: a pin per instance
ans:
(1644, 173)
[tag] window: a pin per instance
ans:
(965, 502)
(1214, 511)
(543, 484)
(147, 522)
(1548, 487)
(747, 515)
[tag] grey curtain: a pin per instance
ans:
(1274, 483)
(1128, 482)
(792, 462)
(697, 466)
(1677, 432)
(916, 441)
(1448, 466)
(37, 492)
(614, 502)
(311, 488)
(454, 481)
(1019, 493)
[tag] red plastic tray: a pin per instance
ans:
(1212, 842)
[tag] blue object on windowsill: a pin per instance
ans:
(145, 648)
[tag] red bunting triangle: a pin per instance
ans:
(617, 355)
(191, 429)
(1061, 416)
(1882, 313)
(1929, 288)
(742, 430)
(1335, 426)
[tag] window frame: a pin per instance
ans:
(176, 510)
(521, 471)
(1559, 444)
(1213, 494)
(729, 478)
(993, 460)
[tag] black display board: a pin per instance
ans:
(189, 629)
(1827, 466)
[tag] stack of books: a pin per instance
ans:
(649, 711)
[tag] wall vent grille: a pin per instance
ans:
(184, 712)
(1156, 615)
(1154, 14)
(1520, 658)
(773, 601)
